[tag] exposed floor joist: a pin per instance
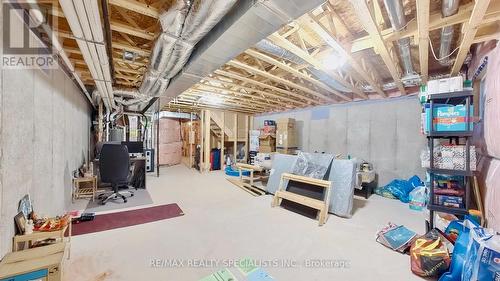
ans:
(365, 17)
(469, 32)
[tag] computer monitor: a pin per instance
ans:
(134, 146)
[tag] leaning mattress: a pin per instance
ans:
(342, 175)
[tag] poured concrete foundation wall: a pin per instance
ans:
(383, 132)
(45, 130)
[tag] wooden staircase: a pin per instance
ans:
(216, 125)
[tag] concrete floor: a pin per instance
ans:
(223, 223)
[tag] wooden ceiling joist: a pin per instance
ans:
(190, 105)
(295, 72)
(365, 17)
(280, 80)
(247, 80)
(120, 45)
(134, 31)
(284, 43)
(224, 99)
(366, 74)
(252, 98)
(469, 32)
(436, 21)
(265, 95)
(423, 37)
(137, 6)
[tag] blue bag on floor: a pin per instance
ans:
(399, 189)
(482, 262)
(460, 249)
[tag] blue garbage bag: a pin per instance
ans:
(460, 250)
(399, 189)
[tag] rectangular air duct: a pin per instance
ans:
(247, 23)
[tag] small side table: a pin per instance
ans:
(84, 192)
(367, 181)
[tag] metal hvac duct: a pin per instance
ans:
(448, 8)
(183, 25)
(271, 48)
(247, 23)
(398, 21)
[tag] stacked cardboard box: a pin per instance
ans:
(286, 136)
(170, 144)
(267, 144)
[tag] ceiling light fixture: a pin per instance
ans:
(334, 61)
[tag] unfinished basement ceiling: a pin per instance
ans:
(265, 80)
(341, 51)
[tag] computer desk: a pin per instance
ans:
(139, 164)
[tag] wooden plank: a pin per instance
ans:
(298, 96)
(436, 21)
(366, 19)
(125, 46)
(245, 159)
(194, 100)
(190, 106)
(469, 32)
(225, 99)
(267, 95)
(235, 143)
(280, 80)
(136, 6)
(246, 187)
(321, 205)
(223, 140)
(284, 43)
(296, 73)
(209, 90)
(127, 29)
(308, 180)
(253, 98)
(207, 140)
(303, 200)
(423, 37)
(322, 32)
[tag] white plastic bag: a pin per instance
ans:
(418, 198)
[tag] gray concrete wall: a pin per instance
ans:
(44, 135)
(383, 132)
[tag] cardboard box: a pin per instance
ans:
(170, 153)
(286, 133)
(290, 151)
(266, 149)
(267, 141)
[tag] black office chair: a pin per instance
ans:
(114, 168)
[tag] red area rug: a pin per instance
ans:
(127, 218)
